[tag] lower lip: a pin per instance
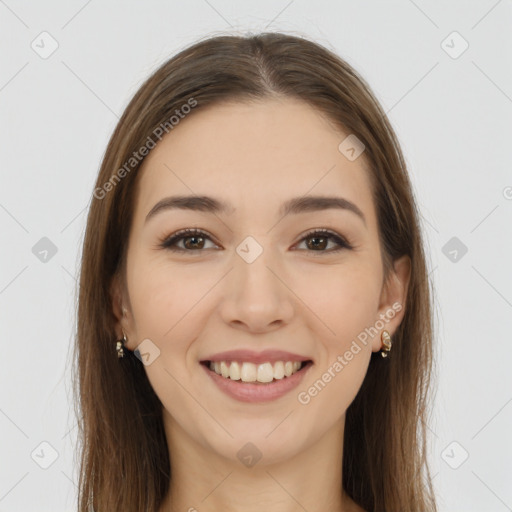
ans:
(257, 392)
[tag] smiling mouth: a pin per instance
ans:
(263, 373)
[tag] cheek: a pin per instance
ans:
(346, 303)
(343, 298)
(166, 307)
(328, 393)
(161, 296)
(169, 308)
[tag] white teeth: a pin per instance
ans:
(250, 372)
(279, 370)
(224, 369)
(265, 373)
(234, 371)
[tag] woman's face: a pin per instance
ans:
(256, 280)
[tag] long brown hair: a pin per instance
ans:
(124, 462)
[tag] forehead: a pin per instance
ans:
(253, 155)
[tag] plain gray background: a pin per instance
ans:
(450, 105)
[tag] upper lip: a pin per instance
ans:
(250, 356)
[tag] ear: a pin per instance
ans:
(122, 311)
(393, 299)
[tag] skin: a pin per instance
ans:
(292, 297)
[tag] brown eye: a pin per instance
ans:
(317, 241)
(193, 241)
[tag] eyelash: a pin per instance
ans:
(170, 242)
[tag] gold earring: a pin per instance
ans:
(386, 343)
(120, 346)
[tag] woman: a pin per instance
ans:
(252, 252)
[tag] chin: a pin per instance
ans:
(265, 442)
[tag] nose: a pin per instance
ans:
(257, 297)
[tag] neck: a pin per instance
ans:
(205, 480)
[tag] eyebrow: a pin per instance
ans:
(296, 205)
